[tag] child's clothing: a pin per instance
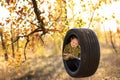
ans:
(71, 50)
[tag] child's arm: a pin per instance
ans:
(65, 56)
(68, 56)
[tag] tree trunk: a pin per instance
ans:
(111, 40)
(4, 47)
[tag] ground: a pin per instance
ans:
(51, 68)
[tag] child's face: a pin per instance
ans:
(74, 42)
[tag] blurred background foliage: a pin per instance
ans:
(33, 29)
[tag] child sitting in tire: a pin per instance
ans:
(72, 50)
(72, 53)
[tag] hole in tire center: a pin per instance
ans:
(73, 63)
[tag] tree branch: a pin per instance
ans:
(37, 13)
(26, 46)
(111, 40)
(18, 37)
(12, 45)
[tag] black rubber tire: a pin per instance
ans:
(90, 52)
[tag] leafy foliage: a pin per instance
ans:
(35, 21)
(36, 27)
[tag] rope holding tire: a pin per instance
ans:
(90, 53)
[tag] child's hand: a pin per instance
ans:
(70, 56)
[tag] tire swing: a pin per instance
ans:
(90, 53)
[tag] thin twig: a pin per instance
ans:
(18, 37)
(26, 47)
(111, 40)
(12, 45)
